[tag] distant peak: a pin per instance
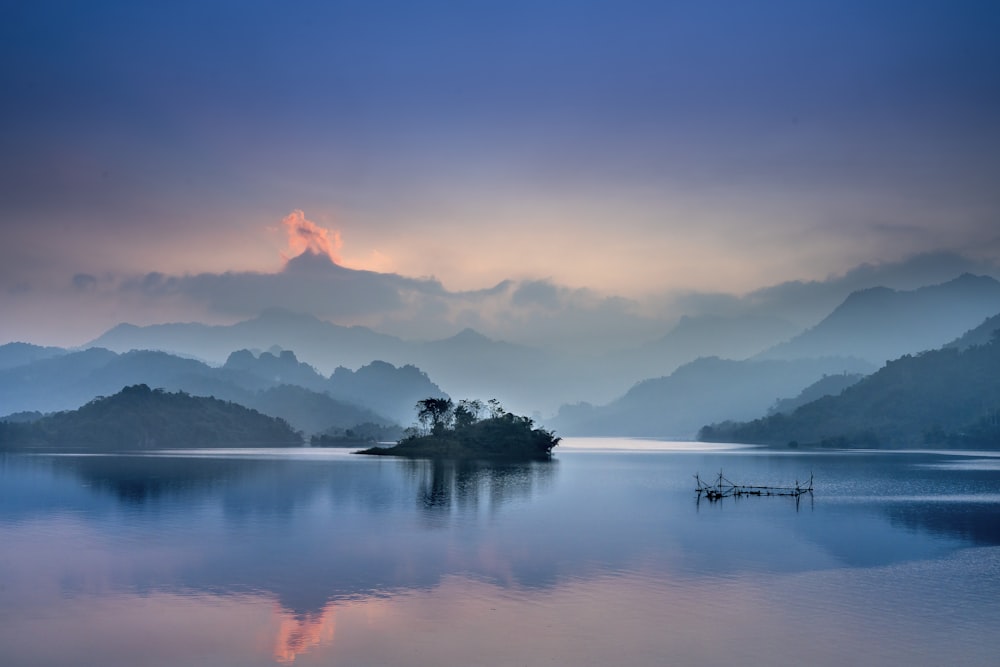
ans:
(312, 261)
(279, 314)
(971, 279)
(470, 335)
(868, 295)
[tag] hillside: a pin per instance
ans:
(981, 335)
(323, 343)
(726, 337)
(677, 405)
(266, 383)
(947, 397)
(828, 385)
(467, 362)
(19, 354)
(139, 418)
(879, 324)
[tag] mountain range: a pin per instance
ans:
(879, 324)
(944, 397)
(868, 328)
(656, 389)
(874, 325)
(705, 390)
(277, 385)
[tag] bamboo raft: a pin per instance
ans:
(724, 488)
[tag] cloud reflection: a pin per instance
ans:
(298, 633)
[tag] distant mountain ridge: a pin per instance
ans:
(879, 324)
(944, 397)
(279, 386)
(673, 406)
(735, 337)
(873, 325)
(468, 363)
(19, 354)
(323, 342)
(828, 385)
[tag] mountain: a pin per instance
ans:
(138, 417)
(877, 324)
(736, 337)
(324, 344)
(466, 364)
(873, 325)
(19, 354)
(386, 389)
(68, 381)
(311, 411)
(56, 383)
(677, 405)
(828, 385)
(281, 368)
(470, 364)
(264, 382)
(981, 335)
(948, 396)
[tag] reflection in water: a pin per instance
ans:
(468, 486)
(595, 559)
(298, 633)
(976, 523)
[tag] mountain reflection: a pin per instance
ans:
(438, 486)
(137, 479)
(976, 523)
(309, 531)
(313, 532)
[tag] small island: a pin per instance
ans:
(471, 430)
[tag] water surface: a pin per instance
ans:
(604, 556)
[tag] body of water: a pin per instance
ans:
(602, 557)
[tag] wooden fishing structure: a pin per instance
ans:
(724, 488)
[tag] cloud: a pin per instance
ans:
(808, 302)
(541, 293)
(84, 282)
(535, 311)
(306, 236)
(804, 303)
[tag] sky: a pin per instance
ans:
(518, 167)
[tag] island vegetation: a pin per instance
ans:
(139, 418)
(470, 429)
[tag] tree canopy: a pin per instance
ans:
(448, 430)
(138, 417)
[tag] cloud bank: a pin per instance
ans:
(315, 280)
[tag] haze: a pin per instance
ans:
(554, 173)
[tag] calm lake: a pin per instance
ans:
(602, 557)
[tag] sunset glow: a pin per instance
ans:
(298, 634)
(644, 156)
(306, 236)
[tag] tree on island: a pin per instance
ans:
(435, 413)
(447, 430)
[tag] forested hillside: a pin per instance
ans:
(142, 418)
(946, 397)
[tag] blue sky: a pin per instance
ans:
(627, 149)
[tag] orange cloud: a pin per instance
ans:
(305, 235)
(298, 634)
